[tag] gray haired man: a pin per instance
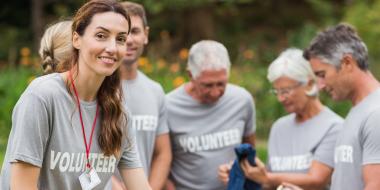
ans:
(207, 118)
(339, 58)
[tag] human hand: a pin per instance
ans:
(169, 185)
(288, 186)
(117, 184)
(256, 173)
(224, 172)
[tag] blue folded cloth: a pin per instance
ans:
(237, 179)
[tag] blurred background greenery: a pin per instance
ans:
(254, 31)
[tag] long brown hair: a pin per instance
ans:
(109, 95)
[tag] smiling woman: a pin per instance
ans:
(104, 45)
(54, 148)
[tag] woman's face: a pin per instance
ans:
(103, 43)
(291, 94)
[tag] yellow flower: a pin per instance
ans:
(25, 61)
(178, 81)
(161, 63)
(248, 54)
(183, 53)
(143, 61)
(25, 52)
(175, 67)
(148, 68)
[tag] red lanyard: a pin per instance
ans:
(88, 147)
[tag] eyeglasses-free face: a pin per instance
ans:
(210, 85)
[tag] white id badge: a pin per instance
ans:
(89, 179)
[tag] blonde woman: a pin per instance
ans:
(56, 48)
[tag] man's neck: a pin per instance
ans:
(129, 71)
(364, 85)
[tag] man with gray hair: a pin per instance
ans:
(207, 118)
(339, 59)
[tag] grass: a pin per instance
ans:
(2, 154)
(261, 149)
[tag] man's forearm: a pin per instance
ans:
(159, 171)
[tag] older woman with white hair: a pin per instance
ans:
(301, 144)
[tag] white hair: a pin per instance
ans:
(292, 64)
(208, 55)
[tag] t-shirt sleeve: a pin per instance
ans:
(325, 150)
(250, 125)
(267, 162)
(271, 143)
(130, 156)
(30, 130)
(370, 139)
(162, 127)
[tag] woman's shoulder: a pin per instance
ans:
(331, 117)
(47, 86)
(280, 127)
(285, 119)
(47, 83)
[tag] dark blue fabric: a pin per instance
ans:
(237, 179)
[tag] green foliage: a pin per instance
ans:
(13, 82)
(2, 154)
(158, 6)
(155, 7)
(261, 150)
(301, 38)
(12, 39)
(325, 10)
(365, 16)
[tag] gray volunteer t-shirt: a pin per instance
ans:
(293, 146)
(358, 144)
(145, 99)
(204, 136)
(46, 132)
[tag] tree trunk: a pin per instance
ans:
(199, 24)
(37, 22)
(195, 24)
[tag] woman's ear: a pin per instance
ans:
(189, 74)
(76, 40)
(146, 32)
(312, 88)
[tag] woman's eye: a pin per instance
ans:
(122, 39)
(100, 36)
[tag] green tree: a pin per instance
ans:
(365, 16)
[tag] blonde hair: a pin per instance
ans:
(56, 48)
